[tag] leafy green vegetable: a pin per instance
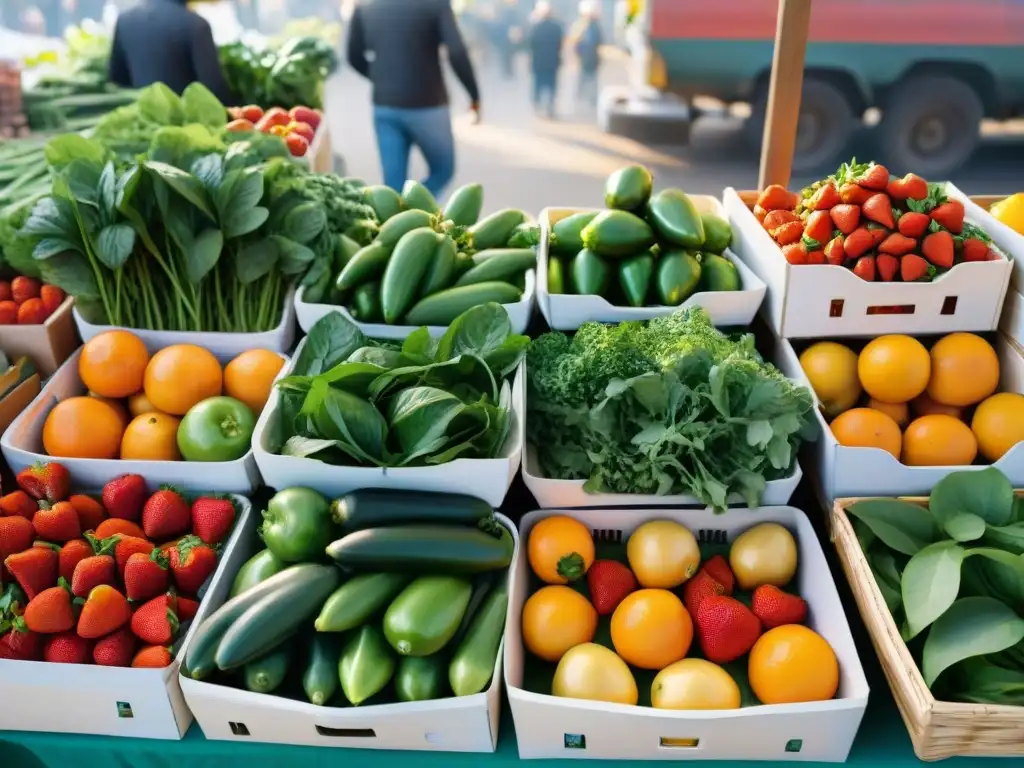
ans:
(290, 76)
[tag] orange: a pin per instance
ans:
(663, 554)
(556, 618)
(922, 405)
(139, 404)
(965, 370)
(180, 376)
(939, 441)
(868, 428)
(898, 412)
(651, 629)
(831, 369)
(117, 405)
(82, 428)
(250, 377)
(560, 549)
(113, 363)
(894, 369)
(792, 664)
(998, 424)
(151, 437)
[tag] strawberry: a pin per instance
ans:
(8, 313)
(91, 573)
(913, 268)
(66, 648)
(913, 224)
(824, 198)
(113, 526)
(865, 268)
(24, 288)
(790, 232)
(835, 254)
(877, 208)
(775, 607)
(212, 518)
(50, 611)
(897, 244)
(116, 649)
(296, 144)
(776, 196)
(90, 512)
(726, 627)
(18, 503)
(938, 249)
(166, 514)
(58, 523)
(70, 555)
(146, 576)
(949, 215)
(35, 569)
(127, 546)
(106, 610)
(123, 496)
(858, 242)
(887, 266)
(777, 218)
(153, 656)
(5, 290)
(156, 622)
(795, 253)
(817, 256)
(975, 250)
(718, 568)
(854, 194)
(32, 312)
(910, 186)
(701, 586)
(20, 643)
(609, 582)
(874, 176)
(188, 608)
(192, 562)
(52, 297)
(16, 535)
(45, 482)
(878, 233)
(819, 228)
(846, 217)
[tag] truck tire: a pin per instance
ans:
(823, 133)
(931, 125)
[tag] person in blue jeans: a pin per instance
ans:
(545, 42)
(396, 45)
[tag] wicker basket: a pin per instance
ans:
(938, 729)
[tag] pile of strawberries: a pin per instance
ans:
(107, 581)
(883, 228)
(26, 301)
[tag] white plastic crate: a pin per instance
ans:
(1009, 240)
(455, 724)
(110, 701)
(824, 731)
(818, 301)
(567, 312)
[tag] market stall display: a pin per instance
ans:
(297, 126)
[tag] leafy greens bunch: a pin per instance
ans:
(952, 575)
(350, 400)
(672, 406)
(292, 75)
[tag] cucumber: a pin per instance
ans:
(463, 263)
(366, 665)
(418, 197)
(426, 614)
(472, 666)
(717, 233)
(526, 235)
(617, 233)
(320, 680)
(398, 226)
(678, 277)
(363, 231)
(556, 274)
(635, 278)
(441, 271)
(629, 188)
(568, 232)
(481, 588)
(202, 649)
(423, 549)
(265, 674)
(465, 204)
(590, 274)
(498, 264)
(358, 599)
(256, 569)
(675, 218)
(420, 678)
(275, 617)
(444, 306)
(495, 230)
(405, 270)
(367, 265)
(345, 248)
(371, 508)
(384, 201)
(717, 273)
(365, 305)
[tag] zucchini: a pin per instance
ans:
(320, 680)
(556, 274)
(420, 678)
(495, 230)
(384, 201)
(358, 599)
(366, 665)
(405, 270)
(371, 508)
(591, 276)
(616, 234)
(398, 226)
(678, 277)
(463, 263)
(345, 248)
(423, 549)
(481, 587)
(498, 265)
(256, 569)
(717, 233)
(472, 666)
(275, 617)
(363, 231)
(441, 270)
(418, 197)
(427, 614)
(568, 232)
(629, 188)
(265, 674)
(717, 273)
(675, 218)
(367, 265)
(465, 204)
(443, 307)
(365, 306)
(635, 278)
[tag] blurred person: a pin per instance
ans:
(409, 94)
(589, 39)
(508, 35)
(161, 41)
(545, 43)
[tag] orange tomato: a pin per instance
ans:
(555, 619)
(82, 428)
(560, 549)
(792, 664)
(868, 428)
(965, 370)
(651, 629)
(180, 376)
(139, 404)
(113, 363)
(117, 405)
(998, 424)
(250, 377)
(151, 437)
(939, 441)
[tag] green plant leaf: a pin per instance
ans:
(930, 584)
(973, 626)
(114, 245)
(353, 377)
(83, 179)
(201, 106)
(184, 184)
(52, 217)
(352, 421)
(209, 169)
(70, 272)
(238, 193)
(865, 537)
(295, 258)
(62, 150)
(304, 222)
(900, 525)
(240, 224)
(986, 493)
(106, 192)
(1003, 573)
(204, 254)
(419, 418)
(419, 347)
(1009, 537)
(964, 526)
(330, 341)
(255, 260)
(159, 104)
(480, 330)
(51, 246)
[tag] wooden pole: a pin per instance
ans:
(783, 111)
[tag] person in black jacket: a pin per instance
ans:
(409, 95)
(545, 41)
(161, 41)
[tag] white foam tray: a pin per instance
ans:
(518, 314)
(22, 446)
(456, 724)
(487, 479)
(856, 472)
(110, 701)
(567, 312)
(221, 344)
(552, 727)
(1010, 241)
(816, 301)
(1012, 323)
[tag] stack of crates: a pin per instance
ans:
(12, 120)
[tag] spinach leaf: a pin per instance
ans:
(902, 526)
(201, 106)
(358, 427)
(931, 582)
(419, 418)
(986, 493)
(973, 626)
(330, 341)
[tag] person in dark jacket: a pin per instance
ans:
(545, 43)
(589, 40)
(161, 41)
(409, 95)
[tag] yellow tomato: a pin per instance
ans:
(694, 684)
(1011, 212)
(663, 554)
(591, 671)
(556, 618)
(764, 554)
(792, 664)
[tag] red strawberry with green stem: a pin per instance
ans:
(913, 224)
(887, 267)
(93, 572)
(824, 198)
(152, 657)
(897, 244)
(975, 250)
(146, 576)
(166, 514)
(212, 518)
(914, 268)
(124, 548)
(726, 627)
(938, 248)
(949, 215)
(90, 512)
(192, 562)
(105, 610)
(71, 554)
(20, 504)
(818, 229)
(124, 496)
(701, 586)
(865, 268)
(874, 176)
(66, 648)
(57, 522)
(609, 583)
(718, 568)
(859, 242)
(835, 253)
(846, 217)
(45, 482)
(878, 209)
(19, 643)
(775, 607)
(51, 611)
(156, 622)
(911, 187)
(116, 649)
(35, 569)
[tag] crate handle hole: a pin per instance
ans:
(238, 729)
(124, 709)
(676, 742)
(433, 738)
(892, 309)
(836, 308)
(609, 535)
(794, 745)
(346, 733)
(948, 306)
(574, 741)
